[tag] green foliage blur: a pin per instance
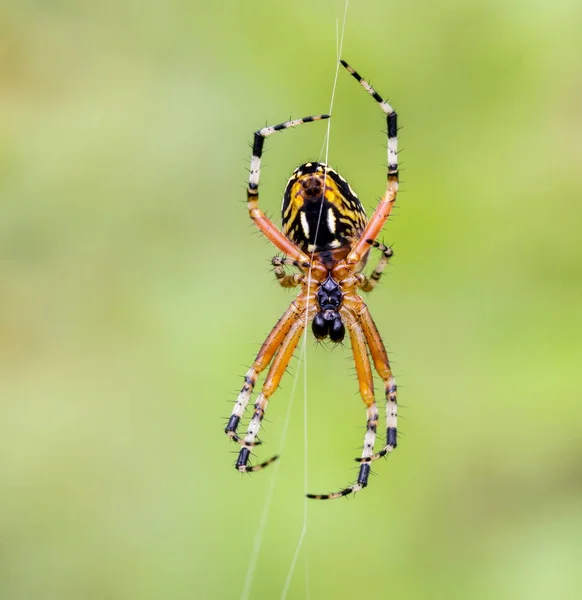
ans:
(134, 293)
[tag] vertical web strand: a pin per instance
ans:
(302, 361)
(245, 595)
(339, 47)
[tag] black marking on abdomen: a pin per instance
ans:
(319, 234)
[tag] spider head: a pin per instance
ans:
(320, 210)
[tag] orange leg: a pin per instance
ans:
(280, 363)
(374, 225)
(265, 224)
(366, 382)
(382, 364)
(288, 280)
(266, 353)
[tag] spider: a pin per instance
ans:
(326, 237)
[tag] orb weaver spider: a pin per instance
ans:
(327, 238)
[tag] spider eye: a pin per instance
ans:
(320, 326)
(337, 331)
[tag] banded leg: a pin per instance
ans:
(382, 364)
(265, 224)
(280, 363)
(366, 382)
(287, 280)
(266, 353)
(372, 281)
(384, 207)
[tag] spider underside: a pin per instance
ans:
(326, 237)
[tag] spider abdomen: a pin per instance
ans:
(327, 322)
(320, 210)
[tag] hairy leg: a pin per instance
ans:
(278, 367)
(265, 224)
(288, 280)
(366, 384)
(384, 207)
(266, 353)
(382, 364)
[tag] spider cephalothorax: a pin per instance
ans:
(328, 320)
(327, 238)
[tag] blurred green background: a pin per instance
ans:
(134, 293)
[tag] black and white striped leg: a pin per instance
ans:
(278, 367)
(391, 120)
(366, 382)
(368, 448)
(285, 279)
(258, 143)
(367, 454)
(372, 281)
(250, 439)
(269, 229)
(391, 423)
(240, 406)
(262, 360)
(382, 364)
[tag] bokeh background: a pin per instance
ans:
(134, 293)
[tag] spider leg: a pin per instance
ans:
(278, 367)
(287, 280)
(366, 383)
(372, 281)
(384, 207)
(266, 353)
(382, 364)
(265, 224)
